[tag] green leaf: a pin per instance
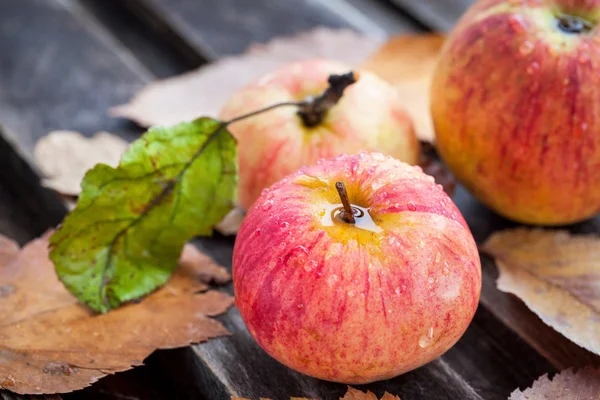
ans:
(125, 236)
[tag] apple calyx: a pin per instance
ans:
(573, 25)
(347, 214)
(312, 110)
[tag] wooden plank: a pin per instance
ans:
(219, 361)
(63, 72)
(65, 83)
(559, 351)
(4, 395)
(438, 15)
(222, 27)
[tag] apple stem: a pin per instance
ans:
(312, 110)
(348, 214)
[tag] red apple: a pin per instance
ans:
(363, 301)
(516, 106)
(272, 145)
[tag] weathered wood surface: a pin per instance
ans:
(108, 50)
(439, 15)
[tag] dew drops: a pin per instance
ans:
(411, 206)
(431, 279)
(446, 269)
(584, 126)
(310, 265)
(516, 23)
(427, 339)
(399, 290)
(332, 279)
(533, 68)
(267, 205)
(257, 232)
(284, 224)
(526, 48)
(300, 306)
(438, 257)
(351, 293)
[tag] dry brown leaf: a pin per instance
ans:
(205, 90)
(351, 394)
(557, 275)
(568, 385)
(408, 62)
(51, 344)
(63, 157)
(230, 225)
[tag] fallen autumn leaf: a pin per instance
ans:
(179, 98)
(64, 157)
(557, 275)
(52, 344)
(351, 394)
(408, 62)
(568, 385)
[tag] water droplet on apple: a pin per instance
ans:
(427, 339)
(438, 257)
(411, 206)
(446, 268)
(257, 232)
(526, 48)
(533, 68)
(332, 279)
(300, 306)
(584, 126)
(398, 290)
(267, 205)
(378, 184)
(310, 265)
(389, 310)
(516, 23)
(284, 224)
(351, 293)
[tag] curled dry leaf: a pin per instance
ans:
(52, 344)
(408, 63)
(63, 157)
(568, 385)
(354, 394)
(205, 90)
(557, 275)
(351, 394)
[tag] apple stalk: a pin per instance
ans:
(312, 110)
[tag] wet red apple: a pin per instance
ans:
(369, 117)
(356, 269)
(516, 106)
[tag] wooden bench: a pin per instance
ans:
(63, 63)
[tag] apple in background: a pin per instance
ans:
(516, 107)
(369, 117)
(356, 302)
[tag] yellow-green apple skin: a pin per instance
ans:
(516, 107)
(369, 117)
(356, 303)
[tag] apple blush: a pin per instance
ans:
(516, 105)
(356, 269)
(368, 117)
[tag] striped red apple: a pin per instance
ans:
(356, 269)
(369, 117)
(516, 106)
